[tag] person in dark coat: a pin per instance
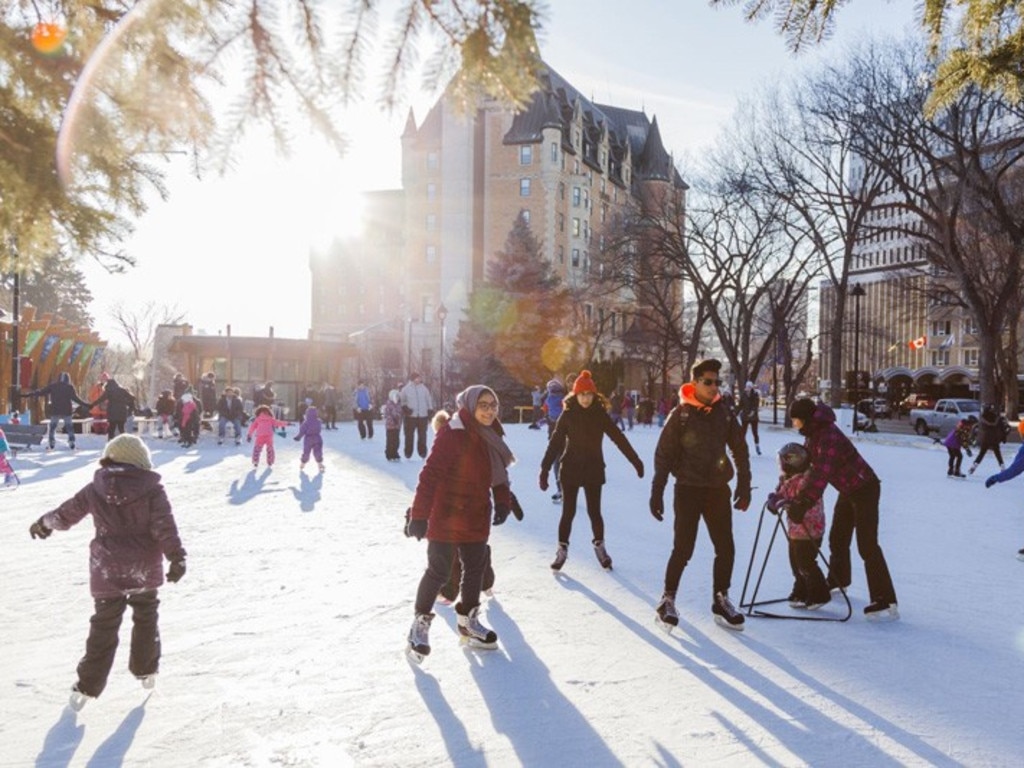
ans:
(692, 447)
(992, 430)
(230, 411)
(329, 400)
(166, 406)
(265, 395)
(576, 446)
(135, 532)
(208, 393)
(467, 463)
(120, 404)
(835, 461)
(62, 396)
(179, 386)
(750, 413)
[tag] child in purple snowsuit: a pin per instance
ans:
(957, 441)
(312, 442)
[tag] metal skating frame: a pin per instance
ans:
(752, 607)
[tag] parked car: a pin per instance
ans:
(916, 401)
(882, 408)
(944, 416)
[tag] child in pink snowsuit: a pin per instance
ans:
(263, 425)
(5, 466)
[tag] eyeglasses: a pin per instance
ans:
(711, 382)
(486, 405)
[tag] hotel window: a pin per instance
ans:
(525, 213)
(561, 190)
(586, 199)
(971, 358)
(575, 257)
(575, 227)
(940, 357)
(431, 222)
(941, 327)
(524, 187)
(526, 154)
(561, 254)
(431, 191)
(432, 161)
(576, 197)
(561, 222)
(554, 151)
(970, 326)
(431, 254)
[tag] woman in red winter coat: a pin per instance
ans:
(135, 531)
(452, 508)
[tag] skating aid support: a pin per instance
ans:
(752, 607)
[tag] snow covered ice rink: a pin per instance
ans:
(284, 643)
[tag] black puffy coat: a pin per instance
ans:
(576, 443)
(120, 402)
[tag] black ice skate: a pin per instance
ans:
(881, 610)
(472, 632)
(725, 613)
(602, 555)
(419, 637)
(666, 614)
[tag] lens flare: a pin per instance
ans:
(48, 37)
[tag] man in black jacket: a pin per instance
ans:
(62, 395)
(692, 447)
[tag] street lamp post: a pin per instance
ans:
(442, 315)
(857, 293)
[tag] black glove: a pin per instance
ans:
(38, 529)
(501, 513)
(775, 503)
(176, 571)
(417, 528)
(517, 509)
(296, 438)
(543, 480)
(968, 451)
(248, 438)
(639, 467)
(657, 505)
(741, 498)
(796, 511)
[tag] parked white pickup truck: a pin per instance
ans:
(944, 416)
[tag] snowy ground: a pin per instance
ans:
(283, 644)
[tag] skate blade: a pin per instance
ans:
(665, 626)
(78, 700)
(720, 621)
(415, 656)
(148, 682)
(890, 614)
(477, 644)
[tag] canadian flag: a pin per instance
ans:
(919, 343)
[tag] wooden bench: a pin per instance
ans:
(24, 435)
(144, 424)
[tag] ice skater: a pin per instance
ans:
(1015, 468)
(467, 463)
(312, 440)
(575, 445)
(263, 425)
(135, 532)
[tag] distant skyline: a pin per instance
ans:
(234, 250)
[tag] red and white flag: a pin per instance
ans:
(919, 343)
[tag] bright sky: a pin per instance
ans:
(234, 250)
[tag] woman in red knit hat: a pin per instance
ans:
(576, 445)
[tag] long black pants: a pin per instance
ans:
(144, 658)
(592, 494)
(691, 503)
(439, 569)
(858, 510)
(415, 428)
(364, 418)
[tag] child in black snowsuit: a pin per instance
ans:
(992, 430)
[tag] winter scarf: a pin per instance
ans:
(500, 454)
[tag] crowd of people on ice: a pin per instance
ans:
(464, 489)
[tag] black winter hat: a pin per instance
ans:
(802, 409)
